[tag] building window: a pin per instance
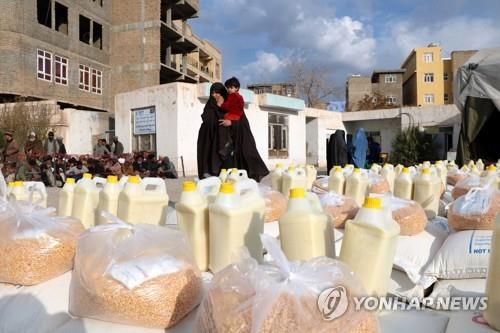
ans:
(97, 35)
(391, 99)
(445, 76)
(278, 136)
(446, 97)
(44, 60)
(61, 18)
(96, 81)
(429, 98)
(390, 78)
(61, 70)
(429, 77)
(44, 12)
(84, 29)
(428, 57)
(84, 78)
(289, 92)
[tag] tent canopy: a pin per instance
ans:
(477, 95)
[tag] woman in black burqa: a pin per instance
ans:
(214, 141)
(226, 147)
(336, 153)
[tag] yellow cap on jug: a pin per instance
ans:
(134, 180)
(297, 192)
(112, 179)
(279, 165)
(189, 186)
(338, 169)
(492, 168)
(426, 171)
(227, 188)
(357, 170)
(406, 170)
(11, 184)
(87, 176)
(18, 183)
(291, 168)
(70, 180)
(223, 170)
(371, 202)
(234, 170)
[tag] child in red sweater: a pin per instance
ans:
(233, 106)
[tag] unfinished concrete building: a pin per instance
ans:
(81, 53)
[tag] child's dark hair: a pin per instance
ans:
(232, 82)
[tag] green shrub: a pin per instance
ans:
(411, 147)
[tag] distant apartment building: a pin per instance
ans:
(285, 89)
(383, 83)
(81, 53)
(428, 79)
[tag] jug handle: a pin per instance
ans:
(246, 185)
(208, 183)
(159, 185)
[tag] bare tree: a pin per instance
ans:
(375, 102)
(26, 117)
(313, 83)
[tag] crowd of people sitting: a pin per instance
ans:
(49, 163)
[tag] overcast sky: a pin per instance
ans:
(258, 37)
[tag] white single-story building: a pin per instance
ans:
(166, 119)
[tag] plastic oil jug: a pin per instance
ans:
(293, 178)
(426, 191)
(3, 187)
(18, 191)
(236, 175)
(492, 313)
(441, 171)
(223, 175)
(398, 169)
(480, 165)
(426, 164)
(311, 174)
(332, 170)
(85, 200)
(108, 199)
(65, 203)
(233, 224)
(369, 246)
(376, 168)
(336, 182)
(389, 174)
(348, 169)
(471, 164)
(38, 192)
(192, 218)
(124, 180)
(277, 177)
(403, 185)
(356, 186)
(305, 231)
(143, 202)
(209, 188)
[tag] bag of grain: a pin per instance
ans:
(339, 207)
(464, 255)
(320, 185)
(466, 184)
(409, 214)
(377, 183)
(453, 177)
(275, 203)
(35, 245)
(284, 297)
(143, 275)
(476, 210)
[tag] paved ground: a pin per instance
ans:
(174, 189)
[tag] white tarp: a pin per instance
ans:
(478, 77)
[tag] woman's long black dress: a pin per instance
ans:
(213, 142)
(246, 155)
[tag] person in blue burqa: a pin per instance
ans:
(359, 148)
